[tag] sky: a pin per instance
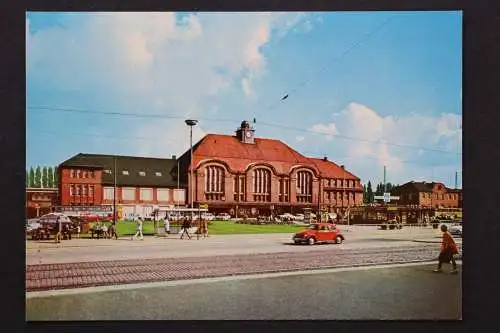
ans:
(365, 89)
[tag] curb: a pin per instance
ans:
(431, 241)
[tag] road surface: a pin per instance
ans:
(39, 252)
(393, 293)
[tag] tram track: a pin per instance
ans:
(42, 277)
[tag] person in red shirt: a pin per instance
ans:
(448, 250)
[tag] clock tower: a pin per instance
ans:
(245, 133)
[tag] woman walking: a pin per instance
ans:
(448, 250)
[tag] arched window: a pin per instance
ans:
(304, 186)
(261, 184)
(214, 182)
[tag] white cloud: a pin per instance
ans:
(299, 138)
(156, 62)
(377, 134)
(329, 130)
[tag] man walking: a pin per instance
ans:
(448, 250)
(186, 224)
(138, 230)
(112, 231)
(167, 225)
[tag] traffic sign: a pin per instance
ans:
(203, 206)
(386, 197)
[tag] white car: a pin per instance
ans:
(223, 217)
(32, 226)
(456, 230)
(208, 216)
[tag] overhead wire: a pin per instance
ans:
(165, 116)
(356, 43)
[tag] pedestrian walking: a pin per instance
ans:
(112, 231)
(448, 250)
(138, 229)
(167, 225)
(186, 224)
(78, 230)
(204, 228)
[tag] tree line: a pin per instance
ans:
(369, 194)
(42, 177)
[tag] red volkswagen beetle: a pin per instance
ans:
(319, 233)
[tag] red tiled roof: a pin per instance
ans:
(276, 153)
(332, 170)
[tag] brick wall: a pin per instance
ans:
(317, 193)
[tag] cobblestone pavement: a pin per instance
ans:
(100, 273)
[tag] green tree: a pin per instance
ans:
(50, 177)
(38, 177)
(369, 193)
(32, 177)
(45, 177)
(56, 176)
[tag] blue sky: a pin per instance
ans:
(366, 89)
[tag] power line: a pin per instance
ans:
(165, 116)
(356, 139)
(323, 68)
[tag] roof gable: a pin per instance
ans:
(332, 170)
(239, 155)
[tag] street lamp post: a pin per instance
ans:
(114, 191)
(191, 123)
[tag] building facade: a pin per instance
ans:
(248, 176)
(40, 201)
(434, 194)
(142, 184)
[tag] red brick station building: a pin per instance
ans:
(247, 176)
(240, 174)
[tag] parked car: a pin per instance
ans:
(31, 226)
(319, 233)
(456, 230)
(223, 217)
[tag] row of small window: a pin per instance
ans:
(140, 173)
(77, 173)
(437, 196)
(85, 190)
(339, 196)
(145, 194)
(340, 183)
(39, 197)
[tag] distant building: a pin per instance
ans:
(40, 201)
(245, 175)
(434, 194)
(142, 184)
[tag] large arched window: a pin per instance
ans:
(261, 184)
(214, 182)
(304, 186)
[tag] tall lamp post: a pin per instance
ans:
(191, 123)
(114, 191)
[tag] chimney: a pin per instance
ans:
(174, 157)
(342, 166)
(325, 158)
